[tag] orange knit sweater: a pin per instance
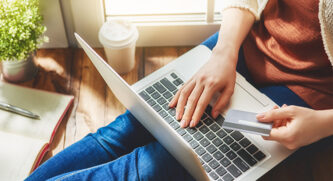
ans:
(285, 47)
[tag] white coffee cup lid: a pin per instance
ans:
(118, 33)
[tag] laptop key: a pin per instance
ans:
(151, 102)
(210, 135)
(203, 116)
(259, 155)
(187, 137)
(204, 142)
(245, 142)
(181, 132)
(218, 155)
(207, 168)
(168, 84)
(214, 175)
(198, 136)
(231, 155)
(167, 95)
(200, 151)
(228, 140)
(214, 127)
(168, 119)
(221, 171)
(235, 146)
(204, 129)
(247, 157)
(175, 125)
(252, 149)
(172, 112)
(150, 90)
(206, 157)
(191, 130)
(217, 142)
(211, 149)
(158, 86)
(219, 120)
(208, 110)
(221, 133)
(241, 164)
(157, 108)
(156, 95)
(228, 177)
(234, 171)
(163, 113)
(237, 135)
(161, 101)
(208, 121)
(173, 75)
(224, 148)
(228, 130)
(144, 95)
(194, 144)
(214, 164)
(225, 162)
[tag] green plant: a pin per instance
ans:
(21, 28)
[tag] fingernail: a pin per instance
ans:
(260, 116)
(215, 114)
(177, 115)
(182, 123)
(192, 124)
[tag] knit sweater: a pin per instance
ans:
(325, 16)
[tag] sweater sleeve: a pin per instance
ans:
(254, 6)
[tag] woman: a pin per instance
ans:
(288, 56)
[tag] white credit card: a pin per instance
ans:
(246, 122)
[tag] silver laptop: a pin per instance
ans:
(207, 152)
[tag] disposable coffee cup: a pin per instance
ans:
(119, 38)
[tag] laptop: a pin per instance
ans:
(207, 152)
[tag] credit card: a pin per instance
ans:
(246, 122)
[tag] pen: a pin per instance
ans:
(17, 110)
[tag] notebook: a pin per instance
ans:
(24, 141)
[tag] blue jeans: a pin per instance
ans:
(125, 150)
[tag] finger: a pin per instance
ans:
(277, 123)
(278, 134)
(270, 116)
(191, 105)
(175, 98)
(182, 100)
(203, 101)
(221, 102)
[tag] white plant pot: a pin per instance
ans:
(19, 71)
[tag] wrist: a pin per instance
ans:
(228, 51)
(326, 116)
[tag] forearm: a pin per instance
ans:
(236, 24)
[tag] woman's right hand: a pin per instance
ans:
(217, 75)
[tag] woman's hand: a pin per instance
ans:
(296, 126)
(217, 75)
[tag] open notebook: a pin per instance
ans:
(24, 141)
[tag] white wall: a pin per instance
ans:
(53, 20)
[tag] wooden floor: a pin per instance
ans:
(69, 71)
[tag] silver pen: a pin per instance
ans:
(17, 110)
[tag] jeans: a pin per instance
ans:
(125, 150)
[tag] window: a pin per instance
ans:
(163, 11)
(160, 22)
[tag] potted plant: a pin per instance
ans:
(21, 32)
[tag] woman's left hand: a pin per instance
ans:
(296, 126)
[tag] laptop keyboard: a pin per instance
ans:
(224, 154)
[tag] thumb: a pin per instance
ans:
(275, 114)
